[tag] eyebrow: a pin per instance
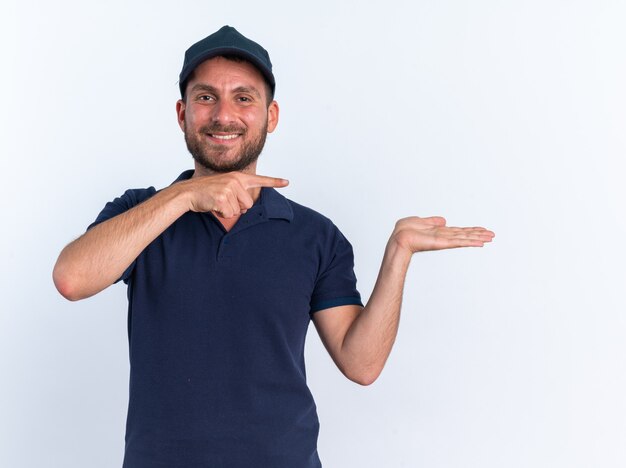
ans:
(239, 89)
(203, 87)
(248, 90)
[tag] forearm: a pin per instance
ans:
(95, 260)
(360, 340)
(368, 341)
(99, 257)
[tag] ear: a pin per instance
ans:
(272, 116)
(180, 113)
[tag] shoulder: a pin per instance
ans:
(276, 205)
(137, 195)
(131, 197)
(306, 215)
(317, 225)
(124, 202)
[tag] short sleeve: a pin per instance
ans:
(336, 282)
(129, 199)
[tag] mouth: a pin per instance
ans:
(229, 136)
(223, 137)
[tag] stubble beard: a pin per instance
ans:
(208, 155)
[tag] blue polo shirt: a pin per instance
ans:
(217, 323)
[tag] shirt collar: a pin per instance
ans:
(274, 203)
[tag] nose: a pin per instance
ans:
(223, 112)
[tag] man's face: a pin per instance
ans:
(225, 115)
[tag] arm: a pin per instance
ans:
(360, 339)
(99, 257)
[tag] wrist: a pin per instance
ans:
(396, 252)
(179, 196)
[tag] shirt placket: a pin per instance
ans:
(225, 251)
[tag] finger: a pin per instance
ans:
(220, 205)
(233, 200)
(482, 233)
(472, 236)
(244, 199)
(481, 230)
(226, 205)
(224, 211)
(479, 237)
(456, 243)
(475, 230)
(264, 181)
(471, 231)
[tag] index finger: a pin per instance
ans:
(254, 180)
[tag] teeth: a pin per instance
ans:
(225, 137)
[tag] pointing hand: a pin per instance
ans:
(228, 194)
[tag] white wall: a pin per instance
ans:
(509, 115)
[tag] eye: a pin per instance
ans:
(205, 97)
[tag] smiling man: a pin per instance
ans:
(225, 274)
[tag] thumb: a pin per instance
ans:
(435, 220)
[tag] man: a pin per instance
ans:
(224, 275)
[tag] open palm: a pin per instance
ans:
(421, 234)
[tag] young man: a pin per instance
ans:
(224, 275)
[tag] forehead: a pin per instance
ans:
(220, 72)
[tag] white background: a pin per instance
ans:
(510, 115)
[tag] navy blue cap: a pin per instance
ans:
(226, 41)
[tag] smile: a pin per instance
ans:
(224, 137)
